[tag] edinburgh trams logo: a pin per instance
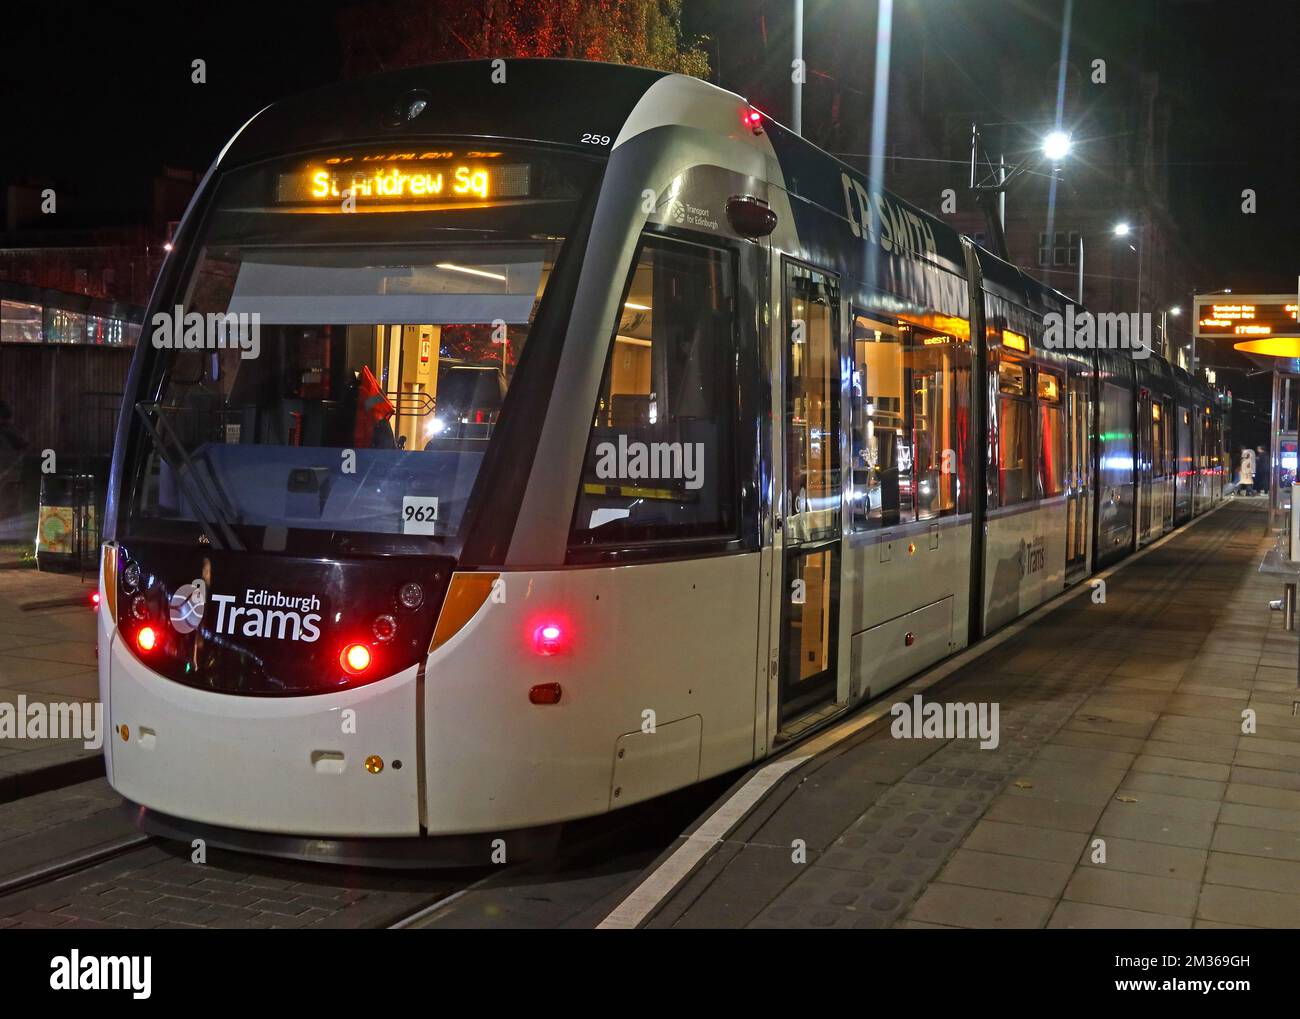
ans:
(179, 330)
(1081, 330)
(1032, 555)
(271, 614)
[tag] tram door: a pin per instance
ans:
(1080, 475)
(809, 513)
(1167, 465)
(1144, 465)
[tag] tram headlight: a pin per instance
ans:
(131, 577)
(384, 628)
(139, 607)
(411, 595)
(355, 659)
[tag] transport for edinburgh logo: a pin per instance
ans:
(187, 604)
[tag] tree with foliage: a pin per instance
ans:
(382, 35)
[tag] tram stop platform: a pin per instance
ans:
(1123, 791)
(47, 657)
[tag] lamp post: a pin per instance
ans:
(1054, 148)
(1122, 230)
(796, 77)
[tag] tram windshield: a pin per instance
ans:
(338, 355)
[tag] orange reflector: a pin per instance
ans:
(374, 764)
(108, 579)
(545, 693)
(355, 659)
(465, 596)
(147, 638)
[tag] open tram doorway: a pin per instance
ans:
(1079, 475)
(810, 515)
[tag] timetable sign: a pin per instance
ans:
(1247, 317)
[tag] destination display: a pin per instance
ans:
(399, 179)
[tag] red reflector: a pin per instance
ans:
(355, 659)
(545, 693)
(147, 638)
(548, 639)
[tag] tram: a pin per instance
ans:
(508, 444)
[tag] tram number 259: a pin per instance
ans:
(595, 139)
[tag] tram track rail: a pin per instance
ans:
(74, 863)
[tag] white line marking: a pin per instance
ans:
(664, 879)
(650, 892)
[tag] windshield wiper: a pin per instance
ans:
(206, 504)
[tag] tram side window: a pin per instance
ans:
(1157, 439)
(1015, 434)
(882, 461)
(938, 368)
(909, 423)
(1051, 427)
(660, 461)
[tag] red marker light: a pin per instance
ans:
(147, 638)
(545, 693)
(753, 120)
(355, 659)
(548, 639)
(94, 600)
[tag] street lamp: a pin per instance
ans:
(1175, 311)
(1122, 229)
(1053, 146)
(1056, 146)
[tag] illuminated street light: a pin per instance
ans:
(1121, 229)
(1175, 311)
(1056, 146)
(990, 187)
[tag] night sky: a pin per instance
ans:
(97, 97)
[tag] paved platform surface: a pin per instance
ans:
(1121, 732)
(47, 654)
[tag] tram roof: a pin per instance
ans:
(536, 103)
